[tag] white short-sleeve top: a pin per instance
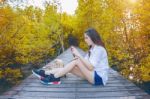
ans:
(99, 59)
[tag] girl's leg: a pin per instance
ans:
(76, 63)
(89, 75)
(58, 72)
(53, 71)
(65, 70)
(76, 71)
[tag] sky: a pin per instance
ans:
(68, 6)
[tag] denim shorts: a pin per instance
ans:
(97, 79)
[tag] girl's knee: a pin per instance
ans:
(74, 62)
(78, 62)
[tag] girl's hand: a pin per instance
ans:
(75, 52)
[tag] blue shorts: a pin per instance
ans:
(97, 79)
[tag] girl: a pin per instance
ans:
(93, 67)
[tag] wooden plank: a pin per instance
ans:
(34, 97)
(77, 90)
(47, 94)
(101, 94)
(122, 97)
(78, 86)
(44, 89)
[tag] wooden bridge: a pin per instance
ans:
(73, 87)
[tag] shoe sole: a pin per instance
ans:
(36, 74)
(51, 83)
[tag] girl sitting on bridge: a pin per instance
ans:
(93, 67)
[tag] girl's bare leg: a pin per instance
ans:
(82, 72)
(53, 71)
(76, 71)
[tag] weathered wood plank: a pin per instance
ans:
(48, 94)
(122, 97)
(20, 97)
(78, 89)
(35, 97)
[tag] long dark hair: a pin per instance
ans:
(95, 37)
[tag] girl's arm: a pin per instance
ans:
(85, 62)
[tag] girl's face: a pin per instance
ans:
(88, 39)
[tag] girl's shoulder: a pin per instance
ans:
(99, 48)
